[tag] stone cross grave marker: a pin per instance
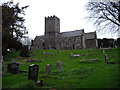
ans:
(33, 72)
(13, 68)
(48, 69)
(106, 58)
(59, 65)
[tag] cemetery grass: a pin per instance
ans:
(76, 73)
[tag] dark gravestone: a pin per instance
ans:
(13, 68)
(48, 69)
(33, 72)
(59, 65)
(24, 52)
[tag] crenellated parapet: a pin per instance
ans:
(51, 17)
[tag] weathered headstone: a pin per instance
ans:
(13, 68)
(59, 65)
(24, 52)
(48, 69)
(33, 72)
(106, 58)
(43, 53)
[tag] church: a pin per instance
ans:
(54, 39)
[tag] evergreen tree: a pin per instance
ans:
(12, 26)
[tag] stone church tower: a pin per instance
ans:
(52, 29)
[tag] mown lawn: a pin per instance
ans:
(75, 73)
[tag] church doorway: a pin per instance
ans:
(73, 46)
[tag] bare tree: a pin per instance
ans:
(26, 41)
(105, 14)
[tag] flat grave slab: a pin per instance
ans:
(89, 60)
(76, 55)
(96, 59)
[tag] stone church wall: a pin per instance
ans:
(90, 43)
(69, 43)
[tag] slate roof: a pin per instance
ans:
(90, 35)
(39, 38)
(71, 33)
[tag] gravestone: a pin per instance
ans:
(24, 52)
(48, 69)
(13, 68)
(59, 65)
(43, 53)
(106, 58)
(33, 72)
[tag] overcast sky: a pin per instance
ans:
(72, 15)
